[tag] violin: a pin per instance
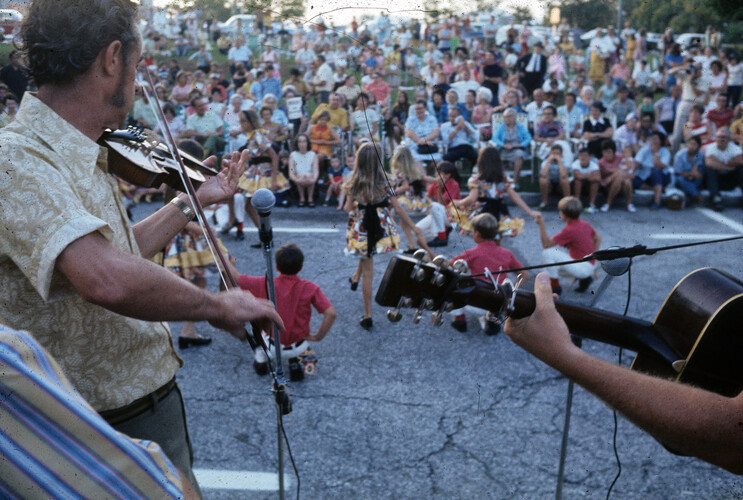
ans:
(140, 158)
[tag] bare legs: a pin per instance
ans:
(365, 272)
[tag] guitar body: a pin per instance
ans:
(705, 313)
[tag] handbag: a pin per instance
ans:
(427, 149)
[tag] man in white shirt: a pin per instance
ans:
(489, 31)
(304, 56)
(535, 108)
(465, 84)
(724, 161)
(322, 83)
(239, 53)
(693, 90)
(458, 135)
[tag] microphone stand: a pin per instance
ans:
(264, 200)
(616, 267)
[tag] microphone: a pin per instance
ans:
(263, 201)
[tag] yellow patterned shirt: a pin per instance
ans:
(54, 189)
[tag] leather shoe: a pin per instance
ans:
(260, 368)
(366, 323)
(239, 236)
(436, 242)
(256, 245)
(296, 372)
(584, 284)
(186, 342)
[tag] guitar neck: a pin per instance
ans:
(609, 328)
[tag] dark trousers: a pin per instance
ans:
(461, 151)
(717, 180)
(165, 424)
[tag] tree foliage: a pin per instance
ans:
(587, 13)
(522, 13)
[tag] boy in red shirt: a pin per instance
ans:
(488, 253)
(295, 298)
(579, 238)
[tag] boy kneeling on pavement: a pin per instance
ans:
(579, 238)
(295, 298)
(488, 253)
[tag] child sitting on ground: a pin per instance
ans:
(294, 296)
(554, 173)
(579, 238)
(337, 175)
(488, 253)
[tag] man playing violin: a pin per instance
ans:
(73, 270)
(686, 419)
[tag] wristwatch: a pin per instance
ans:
(184, 207)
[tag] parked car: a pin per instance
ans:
(687, 40)
(247, 20)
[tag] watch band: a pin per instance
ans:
(184, 207)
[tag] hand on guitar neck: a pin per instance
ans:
(687, 420)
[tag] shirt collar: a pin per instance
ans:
(60, 136)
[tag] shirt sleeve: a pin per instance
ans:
(253, 284)
(76, 454)
(320, 301)
(34, 234)
(563, 238)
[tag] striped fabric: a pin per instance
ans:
(54, 445)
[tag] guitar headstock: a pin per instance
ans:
(411, 282)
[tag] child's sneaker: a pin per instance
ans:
(590, 209)
(296, 372)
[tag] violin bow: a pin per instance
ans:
(224, 271)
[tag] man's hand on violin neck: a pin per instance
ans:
(222, 186)
(237, 307)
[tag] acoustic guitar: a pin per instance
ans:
(696, 338)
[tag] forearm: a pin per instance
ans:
(687, 420)
(327, 321)
(544, 237)
(157, 230)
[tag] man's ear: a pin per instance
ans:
(111, 56)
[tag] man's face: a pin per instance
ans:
(334, 101)
(584, 158)
(569, 101)
(645, 122)
(548, 115)
(453, 116)
(539, 96)
(200, 107)
(722, 140)
(693, 147)
(420, 111)
(722, 102)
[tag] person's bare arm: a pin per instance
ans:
(715, 164)
(596, 241)
(547, 242)
(154, 232)
(328, 318)
(138, 288)
(688, 420)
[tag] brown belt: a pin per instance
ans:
(139, 406)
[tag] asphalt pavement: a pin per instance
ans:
(413, 411)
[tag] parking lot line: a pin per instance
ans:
(689, 236)
(717, 217)
(215, 479)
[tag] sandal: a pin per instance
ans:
(300, 204)
(311, 204)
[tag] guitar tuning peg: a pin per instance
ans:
(394, 315)
(439, 261)
(461, 267)
(437, 318)
(417, 316)
(420, 254)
